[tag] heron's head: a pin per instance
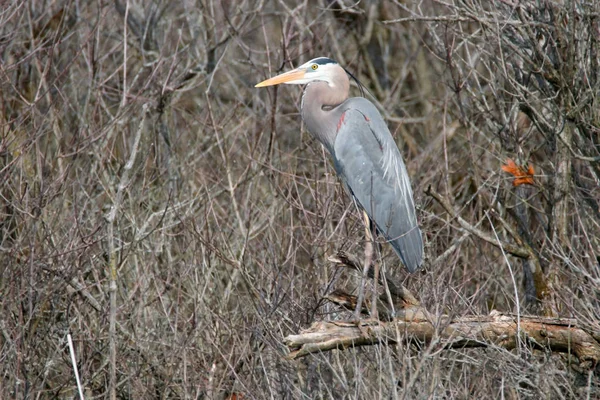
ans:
(318, 69)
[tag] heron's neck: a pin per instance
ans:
(320, 110)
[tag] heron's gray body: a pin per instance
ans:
(365, 155)
(376, 177)
(367, 160)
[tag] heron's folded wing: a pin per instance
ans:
(368, 160)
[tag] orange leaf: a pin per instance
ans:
(522, 176)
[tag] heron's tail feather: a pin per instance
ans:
(410, 249)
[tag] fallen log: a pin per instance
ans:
(407, 321)
(417, 326)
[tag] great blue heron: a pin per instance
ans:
(364, 153)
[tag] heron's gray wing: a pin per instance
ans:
(368, 160)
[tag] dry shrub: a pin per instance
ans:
(217, 224)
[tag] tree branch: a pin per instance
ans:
(558, 335)
(542, 287)
(397, 291)
(508, 247)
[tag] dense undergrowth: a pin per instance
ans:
(176, 221)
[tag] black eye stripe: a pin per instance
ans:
(323, 61)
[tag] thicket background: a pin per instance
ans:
(176, 221)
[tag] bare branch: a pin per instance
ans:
(558, 335)
(396, 290)
(508, 247)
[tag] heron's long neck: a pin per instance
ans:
(320, 110)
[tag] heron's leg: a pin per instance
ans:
(371, 235)
(374, 313)
(367, 265)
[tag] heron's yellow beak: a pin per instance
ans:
(286, 77)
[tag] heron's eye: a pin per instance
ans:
(314, 67)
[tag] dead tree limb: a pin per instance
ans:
(397, 291)
(415, 325)
(557, 335)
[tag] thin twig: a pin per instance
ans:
(508, 247)
(397, 291)
(514, 283)
(74, 363)
(112, 259)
